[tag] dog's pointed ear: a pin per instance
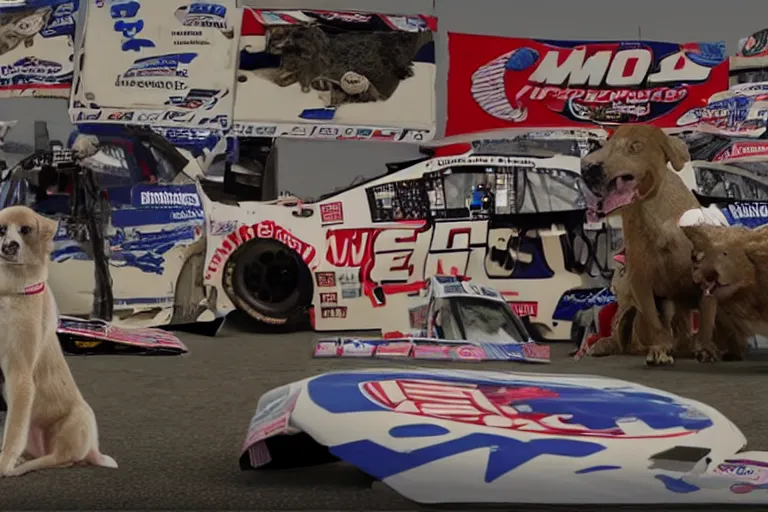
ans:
(698, 237)
(676, 152)
(46, 228)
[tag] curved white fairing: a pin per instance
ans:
(475, 436)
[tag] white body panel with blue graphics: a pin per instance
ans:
(157, 63)
(487, 437)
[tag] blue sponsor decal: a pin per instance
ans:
(577, 300)
(158, 72)
(130, 217)
(677, 485)
(194, 140)
(203, 15)
(751, 215)
(505, 453)
(31, 70)
(594, 408)
(129, 25)
(418, 430)
(166, 196)
(62, 20)
(221, 119)
(450, 289)
(142, 250)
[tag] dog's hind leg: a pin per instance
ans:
(49, 461)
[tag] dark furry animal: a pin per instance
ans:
(318, 60)
(730, 264)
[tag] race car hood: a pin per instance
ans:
(476, 436)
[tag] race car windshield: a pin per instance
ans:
(480, 320)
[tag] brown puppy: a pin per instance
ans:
(49, 422)
(730, 264)
(629, 176)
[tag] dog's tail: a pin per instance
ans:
(99, 459)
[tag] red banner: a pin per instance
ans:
(502, 82)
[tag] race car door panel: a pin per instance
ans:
(152, 223)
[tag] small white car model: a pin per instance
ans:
(452, 319)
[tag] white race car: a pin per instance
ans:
(486, 437)
(180, 244)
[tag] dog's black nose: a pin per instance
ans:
(10, 248)
(593, 174)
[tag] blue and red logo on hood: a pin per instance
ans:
(497, 82)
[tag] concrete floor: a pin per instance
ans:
(176, 425)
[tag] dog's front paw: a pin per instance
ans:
(604, 347)
(659, 356)
(708, 354)
(7, 464)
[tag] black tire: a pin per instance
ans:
(269, 281)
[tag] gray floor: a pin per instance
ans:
(176, 424)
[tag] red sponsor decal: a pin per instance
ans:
(500, 82)
(335, 312)
(265, 229)
(372, 250)
(394, 349)
(327, 349)
(525, 308)
(418, 316)
(470, 353)
(742, 150)
(325, 279)
(332, 213)
(492, 406)
(536, 351)
(329, 298)
(432, 352)
(694, 321)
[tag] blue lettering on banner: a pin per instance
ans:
(129, 25)
(203, 15)
(158, 72)
(170, 196)
(62, 20)
(130, 217)
(751, 215)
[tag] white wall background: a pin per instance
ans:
(311, 168)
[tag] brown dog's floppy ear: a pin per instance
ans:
(46, 228)
(676, 152)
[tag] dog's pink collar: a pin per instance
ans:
(34, 289)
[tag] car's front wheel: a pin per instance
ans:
(269, 281)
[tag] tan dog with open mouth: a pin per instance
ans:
(48, 423)
(730, 264)
(629, 176)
